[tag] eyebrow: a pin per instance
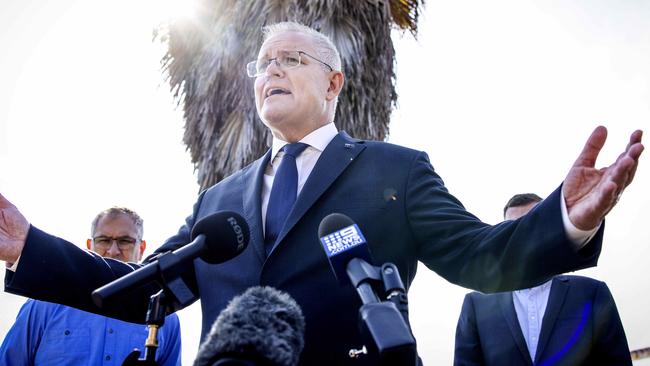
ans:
(266, 54)
(116, 237)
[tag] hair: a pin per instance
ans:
(521, 199)
(325, 48)
(115, 211)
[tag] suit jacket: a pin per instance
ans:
(581, 326)
(398, 201)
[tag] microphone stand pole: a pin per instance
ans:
(155, 319)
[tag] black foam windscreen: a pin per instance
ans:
(333, 222)
(262, 326)
(226, 235)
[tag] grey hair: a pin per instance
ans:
(115, 211)
(325, 48)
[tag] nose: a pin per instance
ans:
(113, 251)
(274, 68)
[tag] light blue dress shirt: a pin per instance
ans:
(530, 306)
(52, 334)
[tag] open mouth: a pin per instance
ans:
(276, 91)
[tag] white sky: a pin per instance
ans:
(501, 94)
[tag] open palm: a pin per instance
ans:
(13, 231)
(591, 193)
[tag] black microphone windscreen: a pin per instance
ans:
(226, 235)
(333, 222)
(342, 240)
(262, 324)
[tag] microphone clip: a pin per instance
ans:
(383, 317)
(155, 319)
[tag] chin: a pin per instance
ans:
(273, 118)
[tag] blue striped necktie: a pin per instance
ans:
(283, 194)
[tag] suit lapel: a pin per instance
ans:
(508, 310)
(336, 157)
(252, 180)
(559, 289)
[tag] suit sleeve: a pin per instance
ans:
(73, 274)
(467, 350)
(22, 341)
(490, 258)
(610, 346)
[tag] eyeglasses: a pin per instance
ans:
(124, 243)
(286, 59)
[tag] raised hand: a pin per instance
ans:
(13, 231)
(591, 193)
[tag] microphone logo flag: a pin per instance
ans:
(241, 242)
(342, 240)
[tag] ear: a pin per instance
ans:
(336, 80)
(88, 243)
(143, 246)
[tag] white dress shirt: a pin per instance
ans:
(530, 306)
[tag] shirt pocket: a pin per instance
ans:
(64, 346)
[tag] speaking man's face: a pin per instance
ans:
(292, 101)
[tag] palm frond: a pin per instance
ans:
(206, 56)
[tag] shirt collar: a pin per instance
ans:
(542, 287)
(317, 139)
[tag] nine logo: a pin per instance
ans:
(342, 240)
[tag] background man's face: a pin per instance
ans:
(301, 104)
(116, 236)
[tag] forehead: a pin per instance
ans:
(115, 223)
(287, 41)
(513, 213)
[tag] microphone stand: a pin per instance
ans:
(155, 319)
(385, 322)
(175, 294)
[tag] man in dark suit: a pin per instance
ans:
(567, 320)
(392, 193)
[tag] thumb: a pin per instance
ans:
(4, 203)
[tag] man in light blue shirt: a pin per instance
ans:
(568, 320)
(51, 334)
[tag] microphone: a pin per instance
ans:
(342, 241)
(379, 321)
(215, 239)
(348, 255)
(262, 326)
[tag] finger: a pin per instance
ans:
(4, 203)
(635, 138)
(602, 201)
(622, 171)
(633, 156)
(610, 198)
(589, 153)
(619, 172)
(634, 146)
(633, 152)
